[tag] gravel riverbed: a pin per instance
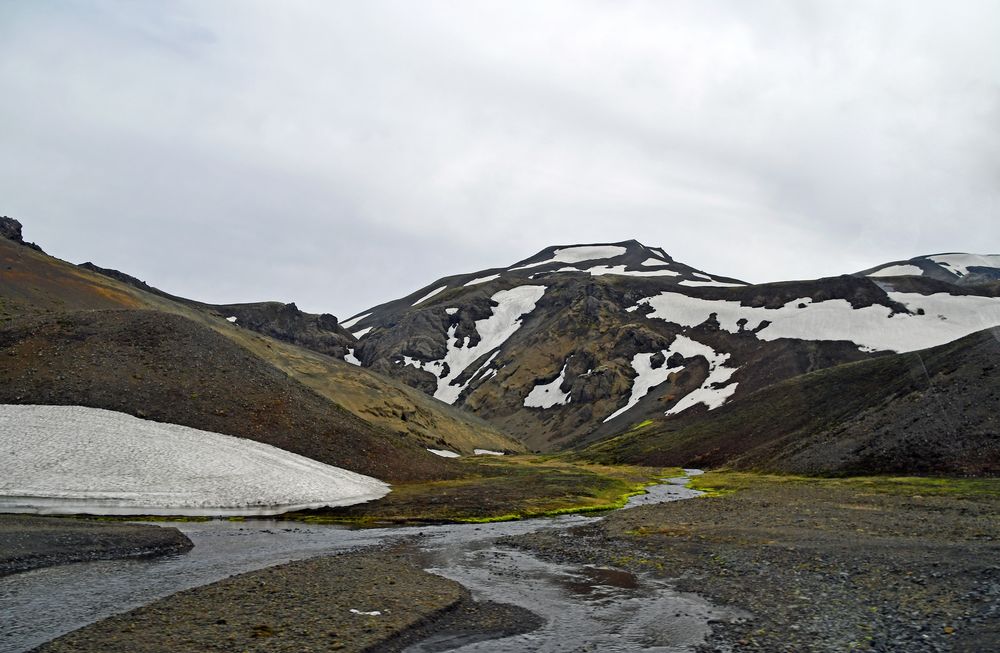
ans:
(818, 570)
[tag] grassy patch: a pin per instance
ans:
(721, 483)
(500, 489)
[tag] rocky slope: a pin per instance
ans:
(932, 411)
(321, 333)
(34, 286)
(579, 343)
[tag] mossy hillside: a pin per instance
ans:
(501, 489)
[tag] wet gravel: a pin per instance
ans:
(853, 570)
(347, 602)
(31, 542)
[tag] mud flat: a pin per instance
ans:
(31, 542)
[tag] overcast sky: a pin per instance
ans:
(341, 154)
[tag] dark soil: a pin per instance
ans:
(29, 542)
(838, 566)
(168, 368)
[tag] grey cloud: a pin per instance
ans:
(342, 154)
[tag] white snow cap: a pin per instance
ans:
(71, 459)
(579, 254)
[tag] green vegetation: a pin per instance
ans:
(721, 483)
(501, 489)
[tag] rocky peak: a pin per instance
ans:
(11, 230)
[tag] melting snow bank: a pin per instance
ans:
(444, 453)
(71, 459)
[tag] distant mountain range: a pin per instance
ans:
(615, 350)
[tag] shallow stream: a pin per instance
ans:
(583, 607)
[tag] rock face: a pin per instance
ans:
(11, 229)
(286, 322)
(583, 342)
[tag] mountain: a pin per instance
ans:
(956, 268)
(579, 343)
(929, 411)
(70, 335)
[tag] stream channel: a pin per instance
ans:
(584, 608)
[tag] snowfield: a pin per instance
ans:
(647, 379)
(960, 263)
(493, 332)
(897, 271)
(708, 393)
(547, 395)
(71, 459)
(349, 357)
(946, 318)
(579, 254)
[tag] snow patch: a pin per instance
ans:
(430, 294)
(487, 452)
(451, 311)
(654, 263)
(362, 333)
(347, 324)
(647, 379)
(579, 254)
(349, 357)
(946, 318)
(601, 270)
(231, 319)
(372, 613)
(960, 263)
(479, 280)
(718, 373)
(493, 331)
(444, 453)
(71, 459)
(715, 284)
(547, 395)
(897, 271)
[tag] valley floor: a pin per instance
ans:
(861, 564)
(821, 564)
